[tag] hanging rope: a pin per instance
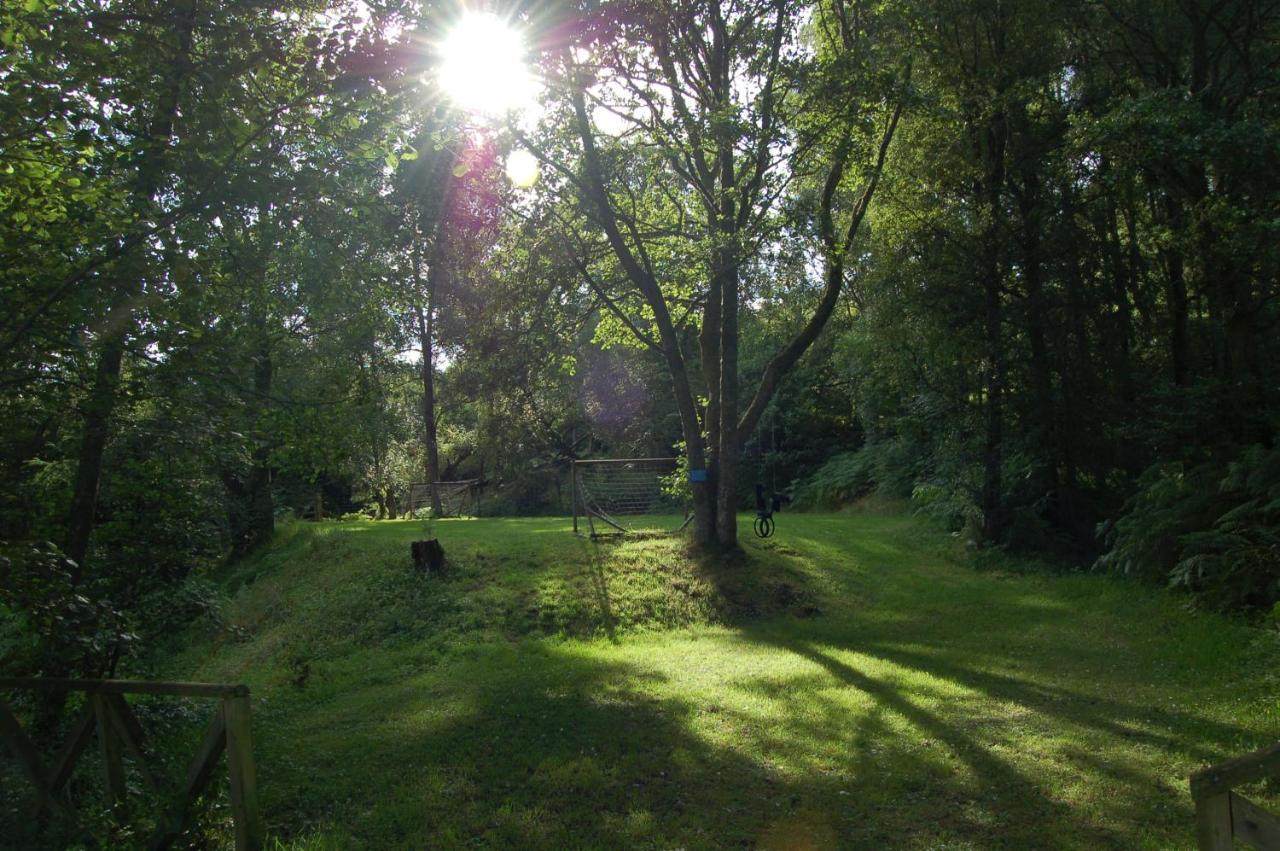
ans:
(765, 508)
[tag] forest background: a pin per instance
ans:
(255, 265)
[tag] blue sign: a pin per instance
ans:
(697, 475)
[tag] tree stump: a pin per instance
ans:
(428, 556)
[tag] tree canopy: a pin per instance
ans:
(1016, 263)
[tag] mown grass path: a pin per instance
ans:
(850, 685)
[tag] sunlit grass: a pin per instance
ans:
(848, 684)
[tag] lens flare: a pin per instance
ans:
(522, 169)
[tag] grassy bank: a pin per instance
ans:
(847, 684)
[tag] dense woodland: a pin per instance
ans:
(1016, 262)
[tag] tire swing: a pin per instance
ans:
(763, 524)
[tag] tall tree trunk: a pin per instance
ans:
(262, 513)
(97, 412)
(725, 267)
(703, 489)
(993, 444)
(100, 408)
(1176, 282)
(709, 340)
(729, 450)
(1075, 354)
(251, 507)
(1037, 318)
(1120, 277)
(426, 339)
(992, 150)
(1233, 296)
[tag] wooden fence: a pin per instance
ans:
(1223, 816)
(107, 714)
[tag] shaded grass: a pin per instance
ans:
(848, 683)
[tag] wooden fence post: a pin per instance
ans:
(13, 739)
(1213, 822)
(112, 755)
(244, 788)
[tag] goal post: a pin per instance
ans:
(418, 497)
(622, 496)
(456, 499)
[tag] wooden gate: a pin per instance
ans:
(107, 715)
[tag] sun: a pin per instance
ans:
(484, 66)
(522, 169)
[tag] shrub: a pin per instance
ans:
(51, 622)
(1214, 533)
(842, 479)
(888, 467)
(527, 493)
(949, 505)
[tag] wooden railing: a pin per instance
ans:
(107, 714)
(1223, 816)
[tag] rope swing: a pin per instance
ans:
(763, 524)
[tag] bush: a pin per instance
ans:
(527, 493)
(49, 623)
(889, 467)
(1215, 533)
(950, 505)
(842, 479)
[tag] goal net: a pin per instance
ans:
(619, 496)
(457, 499)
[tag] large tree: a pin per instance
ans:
(154, 113)
(724, 114)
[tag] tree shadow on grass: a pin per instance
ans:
(542, 745)
(985, 800)
(521, 747)
(1193, 736)
(1116, 753)
(539, 746)
(599, 586)
(1105, 778)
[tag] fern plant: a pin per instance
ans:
(1216, 535)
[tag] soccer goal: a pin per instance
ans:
(457, 499)
(620, 496)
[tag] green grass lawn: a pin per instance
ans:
(849, 683)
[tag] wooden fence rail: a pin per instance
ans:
(1223, 815)
(107, 715)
